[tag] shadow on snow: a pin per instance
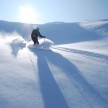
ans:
(52, 96)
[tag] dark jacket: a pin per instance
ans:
(35, 34)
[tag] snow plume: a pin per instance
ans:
(46, 43)
(9, 37)
(15, 41)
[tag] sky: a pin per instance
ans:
(45, 11)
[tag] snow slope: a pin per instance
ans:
(70, 75)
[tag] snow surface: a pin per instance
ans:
(72, 75)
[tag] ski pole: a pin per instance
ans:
(44, 43)
(44, 40)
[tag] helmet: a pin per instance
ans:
(35, 27)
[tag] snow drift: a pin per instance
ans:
(61, 33)
(70, 75)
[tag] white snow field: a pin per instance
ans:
(70, 75)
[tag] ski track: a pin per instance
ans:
(81, 93)
(33, 78)
(61, 84)
(101, 57)
(52, 96)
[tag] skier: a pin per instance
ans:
(35, 34)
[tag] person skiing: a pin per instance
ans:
(35, 34)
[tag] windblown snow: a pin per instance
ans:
(70, 75)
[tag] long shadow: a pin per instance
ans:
(52, 96)
(16, 47)
(87, 91)
(4, 102)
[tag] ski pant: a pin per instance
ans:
(35, 40)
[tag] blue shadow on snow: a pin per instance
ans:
(52, 96)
